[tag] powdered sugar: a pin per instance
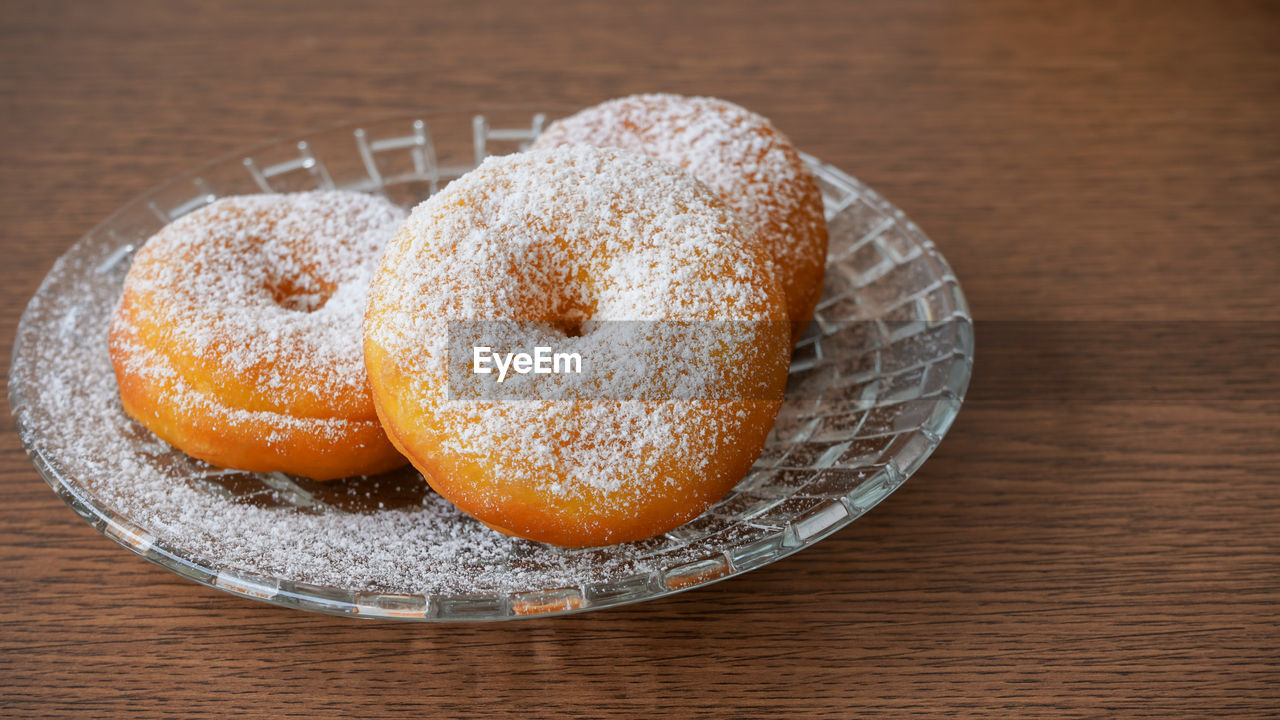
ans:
(570, 236)
(387, 534)
(383, 534)
(739, 155)
(265, 293)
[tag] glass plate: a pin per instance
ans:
(875, 384)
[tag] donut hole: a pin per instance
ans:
(566, 323)
(571, 328)
(564, 301)
(299, 297)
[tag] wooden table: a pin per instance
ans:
(1098, 536)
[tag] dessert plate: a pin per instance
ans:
(875, 384)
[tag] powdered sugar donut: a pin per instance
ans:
(237, 338)
(738, 154)
(597, 251)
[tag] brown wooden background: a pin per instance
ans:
(1098, 536)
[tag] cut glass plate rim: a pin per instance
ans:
(797, 534)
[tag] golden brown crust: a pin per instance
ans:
(194, 354)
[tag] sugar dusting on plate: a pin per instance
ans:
(395, 536)
(68, 410)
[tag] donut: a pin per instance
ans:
(738, 154)
(237, 337)
(598, 251)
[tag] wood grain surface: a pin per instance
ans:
(1099, 535)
